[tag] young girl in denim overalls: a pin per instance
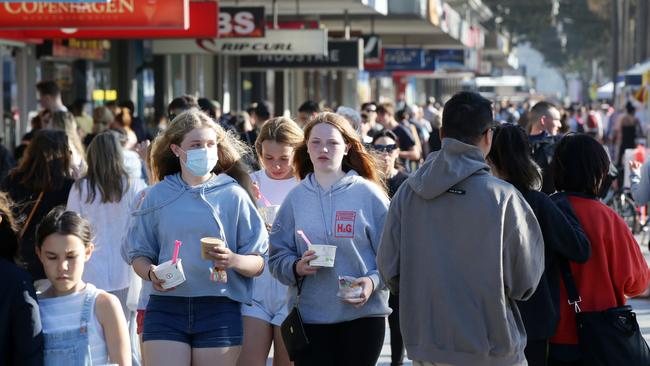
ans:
(82, 325)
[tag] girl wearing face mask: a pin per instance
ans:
(203, 192)
(274, 145)
(82, 325)
(341, 202)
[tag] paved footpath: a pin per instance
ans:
(640, 306)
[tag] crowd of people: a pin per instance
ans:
(192, 243)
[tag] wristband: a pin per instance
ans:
(149, 275)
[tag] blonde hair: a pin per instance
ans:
(65, 121)
(357, 159)
(230, 149)
(282, 130)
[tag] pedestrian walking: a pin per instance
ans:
(202, 197)
(39, 183)
(21, 341)
(385, 143)
(340, 207)
(82, 325)
(460, 247)
(275, 147)
(616, 269)
(511, 161)
(102, 197)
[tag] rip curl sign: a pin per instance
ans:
(344, 224)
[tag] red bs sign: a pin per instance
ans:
(241, 22)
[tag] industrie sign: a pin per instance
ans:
(276, 42)
(342, 54)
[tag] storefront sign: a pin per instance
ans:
(404, 59)
(74, 48)
(239, 22)
(453, 59)
(418, 59)
(341, 55)
(112, 15)
(202, 25)
(276, 42)
(371, 48)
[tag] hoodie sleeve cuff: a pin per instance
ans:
(376, 281)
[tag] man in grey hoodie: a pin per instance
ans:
(460, 247)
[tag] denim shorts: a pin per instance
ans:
(201, 322)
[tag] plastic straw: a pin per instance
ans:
(177, 247)
(267, 203)
(304, 237)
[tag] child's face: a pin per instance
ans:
(63, 258)
(276, 158)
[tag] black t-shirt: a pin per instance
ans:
(404, 137)
(395, 182)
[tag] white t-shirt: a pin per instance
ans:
(106, 269)
(275, 190)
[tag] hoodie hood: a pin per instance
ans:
(350, 178)
(455, 162)
(173, 187)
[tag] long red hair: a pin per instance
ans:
(357, 159)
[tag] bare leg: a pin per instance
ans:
(223, 356)
(167, 353)
(280, 355)
(258, 336)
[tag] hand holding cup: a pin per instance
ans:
(303, 268)
(157, 282)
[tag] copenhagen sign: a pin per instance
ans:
(112, 15)
(276, 42)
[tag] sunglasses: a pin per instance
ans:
(385, 148)
(368, 110)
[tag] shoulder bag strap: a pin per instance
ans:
(570, 284)
(30, 216)
(298, 285)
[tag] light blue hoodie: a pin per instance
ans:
(350, 215)
(172, 210)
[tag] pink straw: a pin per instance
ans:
(267, 203)
(177, 247)
(304, 237)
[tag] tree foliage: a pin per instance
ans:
(569, 33)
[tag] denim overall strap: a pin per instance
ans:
(71, 347)
(86, 311)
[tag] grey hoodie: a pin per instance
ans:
(350, 215)
(460, 246)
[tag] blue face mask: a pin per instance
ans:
(200, 162)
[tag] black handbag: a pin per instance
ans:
(293, 332)
(606, 338)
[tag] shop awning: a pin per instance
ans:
(634, 76)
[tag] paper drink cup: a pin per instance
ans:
(326, 255)
(208, 243)
(172, 273)
(269, 213)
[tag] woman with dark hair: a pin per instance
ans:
(511, 161)
(385, 144)
(628, 129)
(21, 342)
(339, 202)
(616, 269)
(41, 182)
